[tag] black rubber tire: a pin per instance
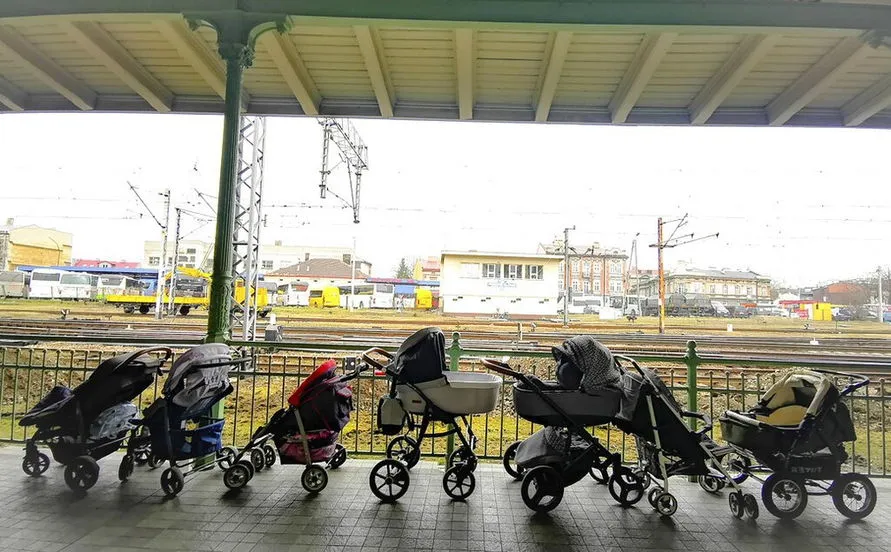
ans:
(625, 487)
(269, 454)
(155, 461)
(710, 484)
(542, 489)
(750, 506)
(651, 496)
(665, 503)
(508, 460)
(842, 488)
(141, 456)
(736, 465)
(389, 480)
(314, 479)
(737, 508)
(458, 482)
(81, 473)
(339, 457)
(35, 465)
(404, 449)
(258, 459)
(250, 467)
(172, 482)
(125, 470)
(643, 476)
(236, 476)
(143, 309)
(226, 457)
(462, 455)
(784, 486)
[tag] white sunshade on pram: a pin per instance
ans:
(795, 395)
(185, 386)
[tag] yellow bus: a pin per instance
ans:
(326, 297)
(423, 299)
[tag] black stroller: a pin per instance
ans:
(88, 423)
(305, 432)
(421, 386)
(181, 429)
(798, 430)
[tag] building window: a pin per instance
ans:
(713, 289)
(191, 251)
(266, 265)
(586, 287)
(615, 267)
(725, 289)
(182, 259)
(615, 286)
(750, 291)
(536, 272)
(470, 270)
(513, 271)
(575, 266)
(575, 286)
(586, 269)
(597, 268)
(153, 261)
(596, 286)
(735, 290)
(491, 270)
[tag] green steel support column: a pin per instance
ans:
(454, 359)
(692, 360)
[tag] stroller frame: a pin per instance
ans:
(404, 452)
(173, 478)
(789, 472)
(81, 468)
(262, 455)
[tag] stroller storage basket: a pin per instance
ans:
(594, 408)
(458, 393)
(189, 443)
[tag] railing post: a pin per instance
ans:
(454, 360)
(692, 360)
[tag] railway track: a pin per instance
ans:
(833, 348)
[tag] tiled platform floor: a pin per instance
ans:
(274, 513)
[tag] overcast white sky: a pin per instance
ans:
(802, 205)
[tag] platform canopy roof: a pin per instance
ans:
(737, 62)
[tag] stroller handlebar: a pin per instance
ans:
(502, 368)
(168, 352)
(699, 416)
(366, 356)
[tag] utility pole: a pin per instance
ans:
(664, 243)
(172, 291)
(566, 275)
(353, 275)
(881, 306)
(159, 291)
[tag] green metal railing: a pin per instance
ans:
(711, 383)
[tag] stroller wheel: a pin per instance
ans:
(258, 459)
(269, 454)
(226, 457)
(644, 477)
(665, 503)
(599, 469)
(154, 460)
(35, 465)
(125, 470)
(854, 495)
(81, 473)
(736, 504)
(172, 481)
(750, 505)
(736, 465)
(542, 489)
(340, 456)
(651, 496)
(462, 455)
(510, 466)
(237, 475)
(459, 482)
(404, 449)
(625, 487)
(314, 479)
(710, 484)
(784, 496)
(389, 480)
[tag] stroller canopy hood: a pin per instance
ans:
(583, 362)
(199, 373)
(802, 388)
(324, 372)
(421, 357)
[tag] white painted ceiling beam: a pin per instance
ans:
(103, 47)
(548, 89)
(375, 65)
(816, 80)
(47, 70)
(750, 51)
(869, 102)
(464, 59)
(290, 65)
(646, 60)
(12, 96)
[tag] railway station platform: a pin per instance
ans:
(274, 513)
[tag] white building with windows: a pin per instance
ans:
(273, 256)
(519, 284)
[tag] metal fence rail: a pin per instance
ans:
(721, 382)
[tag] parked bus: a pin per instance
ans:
(375, 296)
(14, 284)
(45, 284)
(77, 285)
(326, 297)
(423, 299)
(295, 294)
(113, 284)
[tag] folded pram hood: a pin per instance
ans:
(199, 373)
(421, 358)
(584, 362)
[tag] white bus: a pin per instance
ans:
(295, 294)
(45, 284)
(77, 286)
(14, 284)
(114, 284)
(375, 296)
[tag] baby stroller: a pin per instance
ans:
(303, 433)
(88, 423)
(797, 431)
(424, 391)
(180, 429)
(587, 393)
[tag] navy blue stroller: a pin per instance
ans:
(181, 430)
(91, 421)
